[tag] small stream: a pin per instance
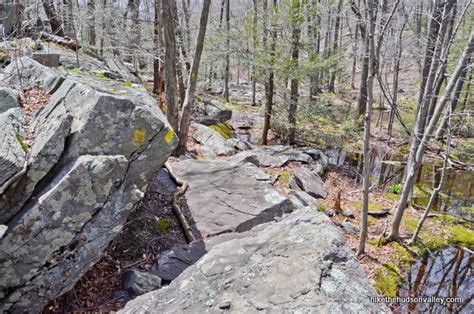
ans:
(456, 197)
(445, 274)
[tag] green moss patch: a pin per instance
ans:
(372, 206)
(284, 177)
(402, 255)
(388, 279)
(164, 224)
(223, 129)
(461, 235)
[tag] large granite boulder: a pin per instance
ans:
(212, 142)
(300, 264)
(92, 155)
(227, 197)
(310, 183)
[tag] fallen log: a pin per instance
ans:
(379, 213)
(62, 41)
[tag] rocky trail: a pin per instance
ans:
(88, 218)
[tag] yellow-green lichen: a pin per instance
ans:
(100, 75)
(23, 145)
(74, 71)
(127, 84)
(139, 136)
(169, 136)
(223, 130)
(284, 177)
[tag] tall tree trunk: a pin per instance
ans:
(425, 137)
(91, 24)
(362, 95)
(269, 91)
(396, 72)
(158, 80)
(335, 45)
(295, 41)
(369, 42)
(171, 83)
(192, 81)
(54, 20)
(227, 51)
(255, 47)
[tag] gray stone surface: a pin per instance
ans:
(91, 159)
(9, 98)
(310, 182)
(171, 263)
(228, 197)
(212, 142)
(138, 282)
(209, 113)
(278, 156)
(302, 199)
(12, 154)
(300, 264)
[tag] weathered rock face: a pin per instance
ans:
(209, 113)
(310, 182)
(299, 264)
(9, 98)
(12, 154)
(227, 197)
(90, 161)
(278, 156)
(213, 143)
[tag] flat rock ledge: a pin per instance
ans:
(227, 197)
(299, 264)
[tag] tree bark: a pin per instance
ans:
(295, 40)
(192, 81)
(370, 42)
(227, 51)
(170, 63)
(269, 92)
(53, 18)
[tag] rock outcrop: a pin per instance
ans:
(95, 146)
(299, 264)
(227, 197)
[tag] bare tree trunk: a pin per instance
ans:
(53, 17)
(91, 26)
(362, 96)
(335, 45)
(369, 41)
(419, 151)
(171, 83)
(192, 81)
(227, 52)
(295, 39)
(158, 82)
(396, 72)
(269, 91)
(255, 47)
(452, 106)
